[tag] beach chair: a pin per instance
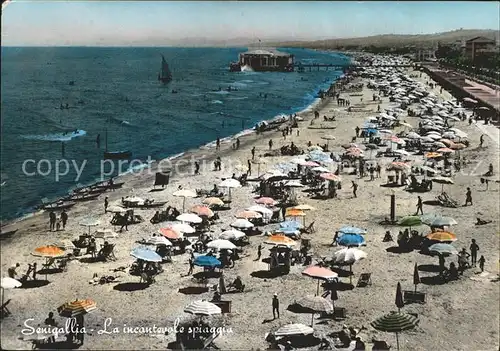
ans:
(309, 229)
(380, 345)
(4, 311)
(62, 264)
(107, 253)
(365, 279)
(208, 341)
(410, 296)
(50, 263)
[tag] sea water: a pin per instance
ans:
(116, 89)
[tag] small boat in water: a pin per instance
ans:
(165, 75)
(58, 205)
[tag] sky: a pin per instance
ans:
(143, 23)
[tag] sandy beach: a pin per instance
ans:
(458, 315)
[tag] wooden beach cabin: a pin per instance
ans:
(261, 60)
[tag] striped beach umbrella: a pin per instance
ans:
(202, 308)
(76, 308)
(443, 249)
(315, 304)
(395, 322)
(439, 221)
(442, 236)
(294, 329)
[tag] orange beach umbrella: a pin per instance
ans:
(433, 155)
(169, 233)
(294, 212)
(202, 211)
(330, 176)
(49, 251)
(442, 236)
(76, 308)
(280, 240)
(319, 273)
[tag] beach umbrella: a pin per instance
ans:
(410, 221)
(352, 230)
(116, 209)
(399, 297)
(319, 273)
(440, 145)
(202, 211)
(290, 225)
(232, 234)
(433, 155)
(49, 251)
(321, 169)
(266, 201)
(315, 304)
(402, 152)
(315, 147)
(105, 233)
(170, 233)
(404, 124)
(349, 255)
(310, 164)
(443, 249)
(293, 212)
(89, 222)
(280, 240)
(328, 137)
(459, 133)
(207, 261)
(299, 161)
(395, 322)
(442, 181)
(399, 166)
(294, 329)
(159, 240)
(293, 184)
(230, 183)
(189, 218)
(145, 254)
(242, 224)
(183, 228)
(350, 240)
(221, 244)
(248, 215)
(202, 308)
(9, 283)
(258, 162)
(441, 236)
(331, 177)
(213, 201)
(445, 150)
(304, 207)
(184, 193)
(416, 277)
(439, 221)
(76, 308)
(458, 146)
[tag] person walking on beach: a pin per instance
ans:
(191, 266)
(196, 168)
(354, 187)
(52, 220)
(474, 248)
(249, 171)
(481, 263)
(481, 140)
(259, 252)
(357, 131)
(64, 219)
(276, 306)
(419, 206)
(237, 143)
(468, 197)
(106, 204)
(270, 144)
(253, 153)
(217, 144)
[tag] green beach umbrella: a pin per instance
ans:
(410, 221)
(416, 277)
(395, 322)
(399, 297)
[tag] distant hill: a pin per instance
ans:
(393, 40)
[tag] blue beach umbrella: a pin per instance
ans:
(352, 230)
(207, 261)
(289, 231)
(290, 225)
(351, 240)
(145, 254)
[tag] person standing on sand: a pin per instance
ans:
(481, 140)
(357, 131)
(474, 248)
(217, 144)
(196, 168)
(259, 252)
(419, 206)
(270, 144)
(481, 263)
(276, 306)
(237, 143)
(468, 197)
(253, 153)
(249, 171)
(52, 220)
(191, 266)
(106, 204)
(354, 187)
(64, 219)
